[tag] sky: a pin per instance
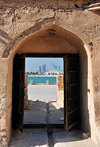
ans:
(32, 64)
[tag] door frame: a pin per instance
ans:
(52, 55)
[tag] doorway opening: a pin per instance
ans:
(44, 97)
(70, 118)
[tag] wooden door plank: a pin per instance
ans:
(65, 96)
(18, 92)
(71, 91)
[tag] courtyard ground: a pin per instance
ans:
(43, 113)
(42, 92)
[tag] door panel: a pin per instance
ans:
(71, 91)
(18, 92)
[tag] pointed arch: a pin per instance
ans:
(51, 32)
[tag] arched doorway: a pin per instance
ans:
(57, 40)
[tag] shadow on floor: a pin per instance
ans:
(43, 113)
(42, 137)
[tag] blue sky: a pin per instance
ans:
(32, 64)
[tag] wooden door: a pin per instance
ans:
(71, 91)
(18, 92)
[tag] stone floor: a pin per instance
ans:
(36, 114)
(49, 138)
(29, 138)
(44, 113)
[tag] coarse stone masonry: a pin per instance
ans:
(52, 4)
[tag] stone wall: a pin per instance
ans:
(60, 91)
(46, 4)
(16, 19)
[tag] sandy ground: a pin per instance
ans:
(57, 138)
(42, 92)
(71, 139)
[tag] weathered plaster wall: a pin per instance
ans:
(13, 21)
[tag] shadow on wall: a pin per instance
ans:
(97, 12)
(3, 36)
(85, 124)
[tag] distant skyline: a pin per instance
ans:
(32, 64)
